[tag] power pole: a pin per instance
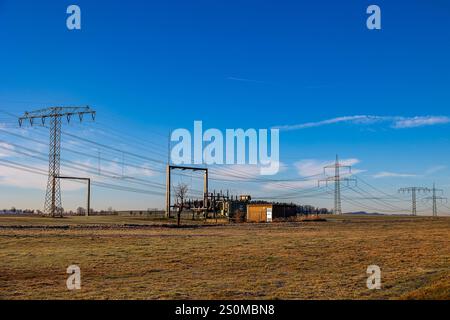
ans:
(414, 191)
(52, 205)
(337, 182)
(434, 198)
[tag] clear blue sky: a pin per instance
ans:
(152, 66)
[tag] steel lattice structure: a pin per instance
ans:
(337, 182)
(434, 198)
(53, 205)
(414, 191)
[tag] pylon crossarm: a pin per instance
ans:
(51, 112)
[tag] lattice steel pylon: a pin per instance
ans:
(414, 191)
(434, 198)
(337, 182)
(53, 205)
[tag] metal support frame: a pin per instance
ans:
(169, 169)
(88, 208)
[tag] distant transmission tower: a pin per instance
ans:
(414, 191)
(52, 204)
(434, 198)
(337, 182)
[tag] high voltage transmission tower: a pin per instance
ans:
(414, 191)
(434, 198)
(337, 182)
(52, 204)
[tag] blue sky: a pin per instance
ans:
(149, 67)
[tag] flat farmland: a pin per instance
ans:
(131, 258)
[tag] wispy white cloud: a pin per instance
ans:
(387, 174)
(6, 150)
(17, 178)
(345, 119)
(435, 169)
(309, 167)
(420, 121)
(396, 122)
(144, 170)
(244, 80)
(429, 171)
(13, 177)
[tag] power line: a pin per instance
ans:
(76, 166)
(228, 175)
(377, 200)
(379, 190)
(26, 168)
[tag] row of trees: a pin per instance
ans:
(13, 210)
(78, 211)
(302, 209)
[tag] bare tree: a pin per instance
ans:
(181, 191)
(81, 211)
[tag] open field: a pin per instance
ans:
(127, 258)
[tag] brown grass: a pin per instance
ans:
(297, 260)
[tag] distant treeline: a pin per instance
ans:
(301, 209)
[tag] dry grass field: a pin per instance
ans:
(128, 258)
